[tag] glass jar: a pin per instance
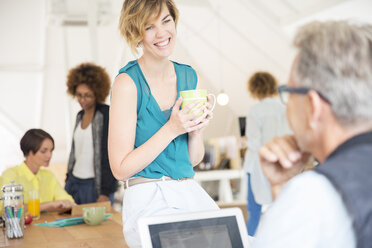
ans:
(13, 210)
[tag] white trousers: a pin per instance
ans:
(161, 198)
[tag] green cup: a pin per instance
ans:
(93, 215)
(190, 96)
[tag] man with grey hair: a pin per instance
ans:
(329, 108)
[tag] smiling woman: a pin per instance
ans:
(137, 17)
(153, 144)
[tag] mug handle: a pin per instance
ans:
(214, 100)
(85, 216)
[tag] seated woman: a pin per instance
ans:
(37, 147)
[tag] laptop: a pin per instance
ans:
(223, 228)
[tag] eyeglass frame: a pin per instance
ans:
(299, 90)
(85, 96)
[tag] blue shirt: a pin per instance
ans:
(174, 160)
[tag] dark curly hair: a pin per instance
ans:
(94, 76)
(262, 84)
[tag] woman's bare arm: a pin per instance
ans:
(125, 161)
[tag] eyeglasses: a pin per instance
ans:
(284, 92)
(85, 96)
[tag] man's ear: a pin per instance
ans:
(316, 109)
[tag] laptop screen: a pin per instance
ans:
(212, 232)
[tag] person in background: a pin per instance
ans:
(153, 144)
(37, 147)
(329, 101)
(89, 177)
(265, 120)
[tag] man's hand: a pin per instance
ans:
(281, 159)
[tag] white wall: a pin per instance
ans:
(21, 73)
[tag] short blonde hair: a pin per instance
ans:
(136, 13)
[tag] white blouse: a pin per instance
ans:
(84, 153)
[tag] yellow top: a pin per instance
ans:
(44, 181)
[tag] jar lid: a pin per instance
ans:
(12, 187)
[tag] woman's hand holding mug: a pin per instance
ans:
(195, 113)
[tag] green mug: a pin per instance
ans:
(93, 215)
(190, 96)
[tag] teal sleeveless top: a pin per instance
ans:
(174, 160)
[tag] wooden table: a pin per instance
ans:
(108, 234)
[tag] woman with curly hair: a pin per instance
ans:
(89, 177)
(265, 120)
